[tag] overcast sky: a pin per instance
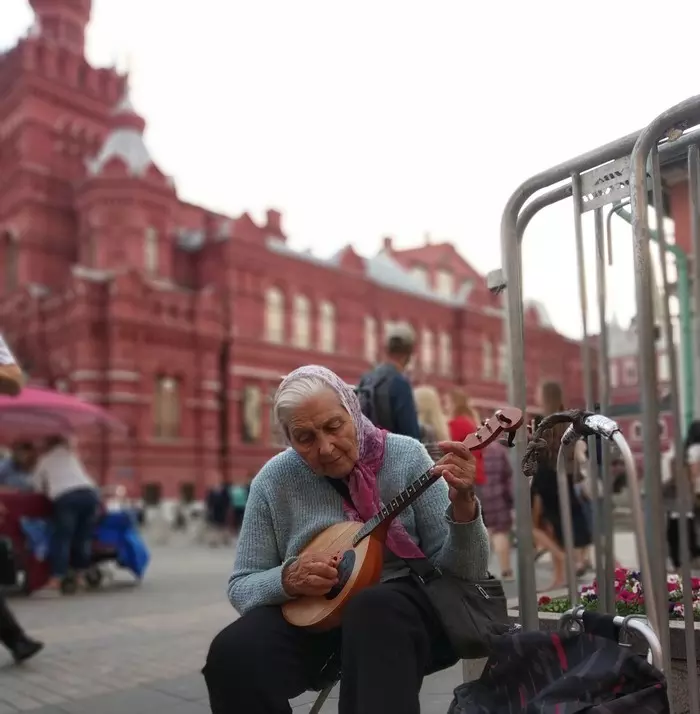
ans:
(397, 117)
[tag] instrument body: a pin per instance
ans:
(361, 545)
(365, 569)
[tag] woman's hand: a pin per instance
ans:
(310, 574)
(458, 468)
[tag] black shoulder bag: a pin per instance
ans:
(471, 612)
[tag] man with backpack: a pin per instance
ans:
(385, 394)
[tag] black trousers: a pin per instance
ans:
(673, 536)
(10, 630)
(390, 639)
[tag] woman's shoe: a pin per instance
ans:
(25, 648)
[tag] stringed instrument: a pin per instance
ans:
(360, 546)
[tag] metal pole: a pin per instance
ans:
(693, 191)
(651, 603)
(588, 382)
(682, 485)
(517, 394)
(606, 521)
(647, 353)
(567, 525)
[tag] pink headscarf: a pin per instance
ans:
(371, 444)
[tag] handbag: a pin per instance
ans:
(471, 612)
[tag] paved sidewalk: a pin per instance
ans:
(138, 649)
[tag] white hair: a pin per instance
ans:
(293, 394)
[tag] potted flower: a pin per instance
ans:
(629, 596)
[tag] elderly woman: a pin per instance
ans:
(390, 635)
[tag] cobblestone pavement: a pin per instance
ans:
(139, 649)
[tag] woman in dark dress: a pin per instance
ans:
(545, 495)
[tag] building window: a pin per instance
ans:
(664, 368)
(486, 358)
(327, 327)
(421, 274)
(302, 322)
(274, 316)
(503, 362)
(371, 345)
(150, 250)
(614, 375)
(251, 414)
(428, 351)
(445, 283)
(445, 354)
(167, 408)
(91, 252)
(630, 373)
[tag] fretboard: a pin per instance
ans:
(397, 504)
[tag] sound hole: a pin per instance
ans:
(345, 567)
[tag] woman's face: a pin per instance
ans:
(322, 432)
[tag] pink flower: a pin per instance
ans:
(626, 596)
(621, 574)
(695, 583)
(672, 587)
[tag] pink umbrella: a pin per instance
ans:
(37, 413)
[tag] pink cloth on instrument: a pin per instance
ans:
(362, 480)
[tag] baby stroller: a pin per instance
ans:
(116, 539)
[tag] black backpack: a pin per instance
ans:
(373, 393)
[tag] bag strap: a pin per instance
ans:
(422, 568)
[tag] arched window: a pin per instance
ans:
(327, 327)
(302, 322)
(167, 408)
(371, 343)
(274, 316)
(150, 250)
(427, 351)
(445, 354)
(487, 371)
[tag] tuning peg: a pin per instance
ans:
(503, 418)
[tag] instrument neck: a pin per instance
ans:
(387, 513)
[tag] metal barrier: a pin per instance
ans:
(629, 167)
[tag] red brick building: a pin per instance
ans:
(179, 320)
